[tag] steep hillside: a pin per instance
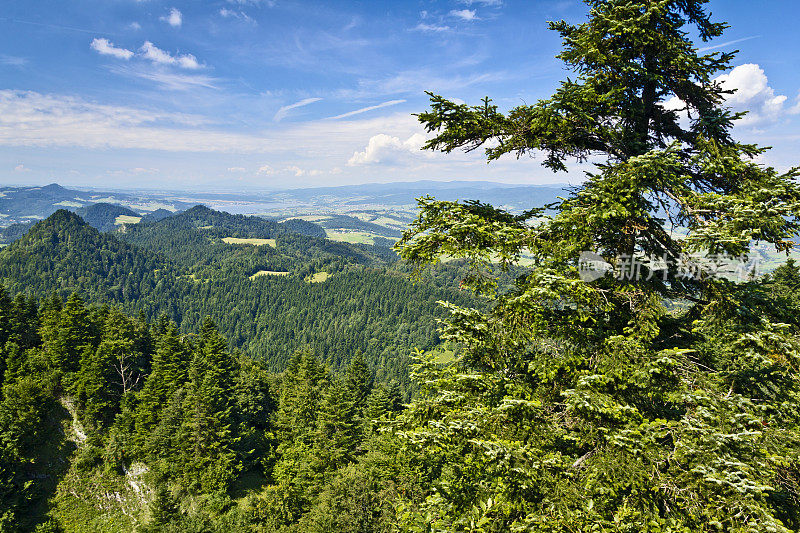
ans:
(63, 253)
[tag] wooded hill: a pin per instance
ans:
(262, 297)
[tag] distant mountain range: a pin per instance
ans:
(25, 204)
(102, 209)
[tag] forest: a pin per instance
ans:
(181, 267)
(194, 374)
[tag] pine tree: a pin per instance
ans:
(109, 372)
(74, 335)
(169, 372)
(163, 509)
(209, 425)
(582, 405)
(302, 388)
(338, 432)
(359, 382)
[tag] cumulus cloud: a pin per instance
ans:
(21, 168)
(135, 26)
(107, 48)
(384, 148)
(174, 19)
(796, 107)
(283, 111)
(368, 108)
(153, 53)
(753, 94)
(464, 14)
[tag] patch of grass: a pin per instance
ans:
(353, 237)
(67, 203)
(127, 219)
(319, 277)
(254, 242)
(269, 273)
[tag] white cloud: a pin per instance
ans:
(168, 80)
(369, 108)
(135, 26)
(283, 111)
(415, 82)
(487, 3)
(796, 107)
(384, 148)
(21, 168)
(237, 169)
(464, 14)
(153, 53)
(239, 15)
(174, 19)
(431, 27)
(299, 172)
(107, 48)
(13, 61)
(753, 94)
(726, 43)
(266, 170)
(32, 119)
(268, 3)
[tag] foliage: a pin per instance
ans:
(589, 406)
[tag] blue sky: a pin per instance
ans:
(238, 94)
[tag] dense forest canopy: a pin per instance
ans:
(208, 372)
(182, 267)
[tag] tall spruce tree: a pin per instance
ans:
(209, 426)
(169, 372)
(589, 405)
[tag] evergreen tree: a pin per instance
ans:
(359, 382)
(588, 405)
(338, 432)
(169, 372)
(110, 372)
(209, 425)
(302, 388)
(163, 509)
(74, 335)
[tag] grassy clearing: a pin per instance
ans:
(319, 277)
(353, 237)
(127, 219)
(67, 203)
(254, 242)
(269, 273)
